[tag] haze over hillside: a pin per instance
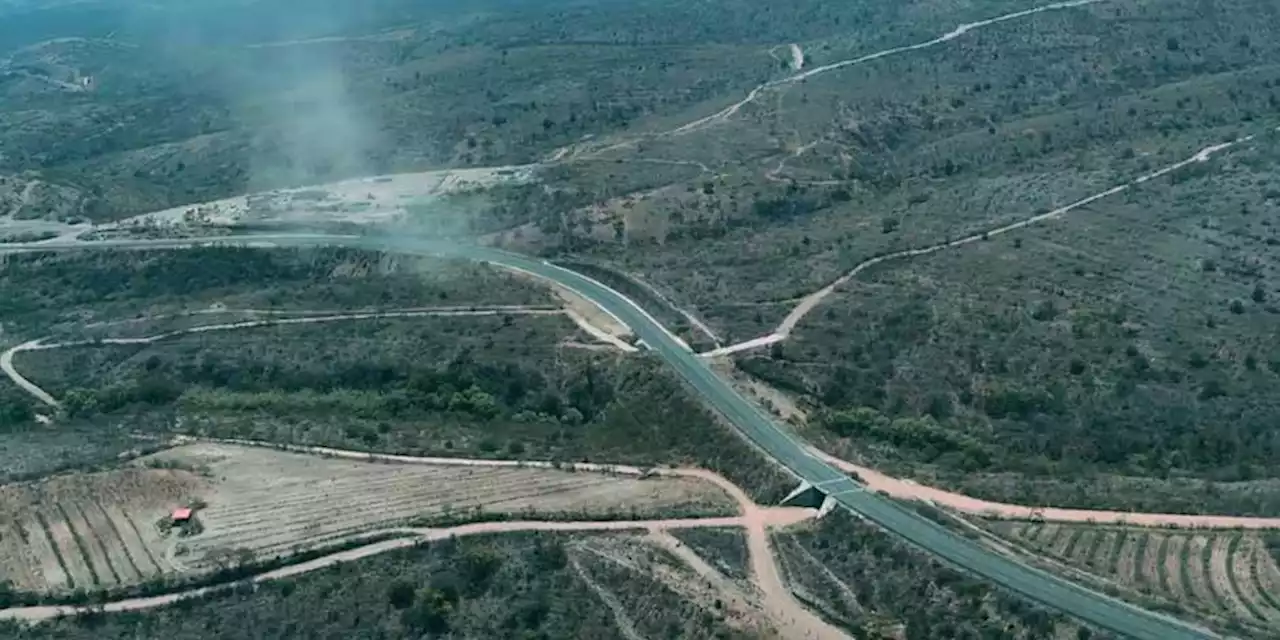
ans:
(996, 276)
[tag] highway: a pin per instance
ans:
(770, 436)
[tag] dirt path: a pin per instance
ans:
(811, 301)
(621, 618)
(7, 366)
(908, 490)
(754, 94)
(739, 604)
(583, 150)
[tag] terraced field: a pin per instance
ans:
(99, 531)
(1226, 575)
(90, 531)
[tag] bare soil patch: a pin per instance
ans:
(1127, 563)
(109, 529)
(1220, 577)
(1173, 567)
(1079, 551)
(1264, 579)
(1063, 542)
(1243, 580)
(81, 531)
(1149, 570)
(268, 503)
(379, 199)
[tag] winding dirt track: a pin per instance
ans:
(757, 520)
(754, 94)
(811, 301)
(579, 151)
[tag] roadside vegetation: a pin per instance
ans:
(875, 586)
(1037, 368)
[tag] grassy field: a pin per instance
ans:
(1228, 577)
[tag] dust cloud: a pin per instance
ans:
(295, 116)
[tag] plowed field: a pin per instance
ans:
(92, 530)
(102, 530)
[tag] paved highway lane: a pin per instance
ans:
(772, 437)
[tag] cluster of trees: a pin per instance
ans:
(487, 387)
(923, 436)
(511, 586)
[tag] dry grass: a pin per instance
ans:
(1227, 576)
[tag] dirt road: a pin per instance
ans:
(908, 490)
(590, 148)
(6, 365)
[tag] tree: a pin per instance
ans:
(1259, 294)
(400, 594)
(889, 225)
(431, 613)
